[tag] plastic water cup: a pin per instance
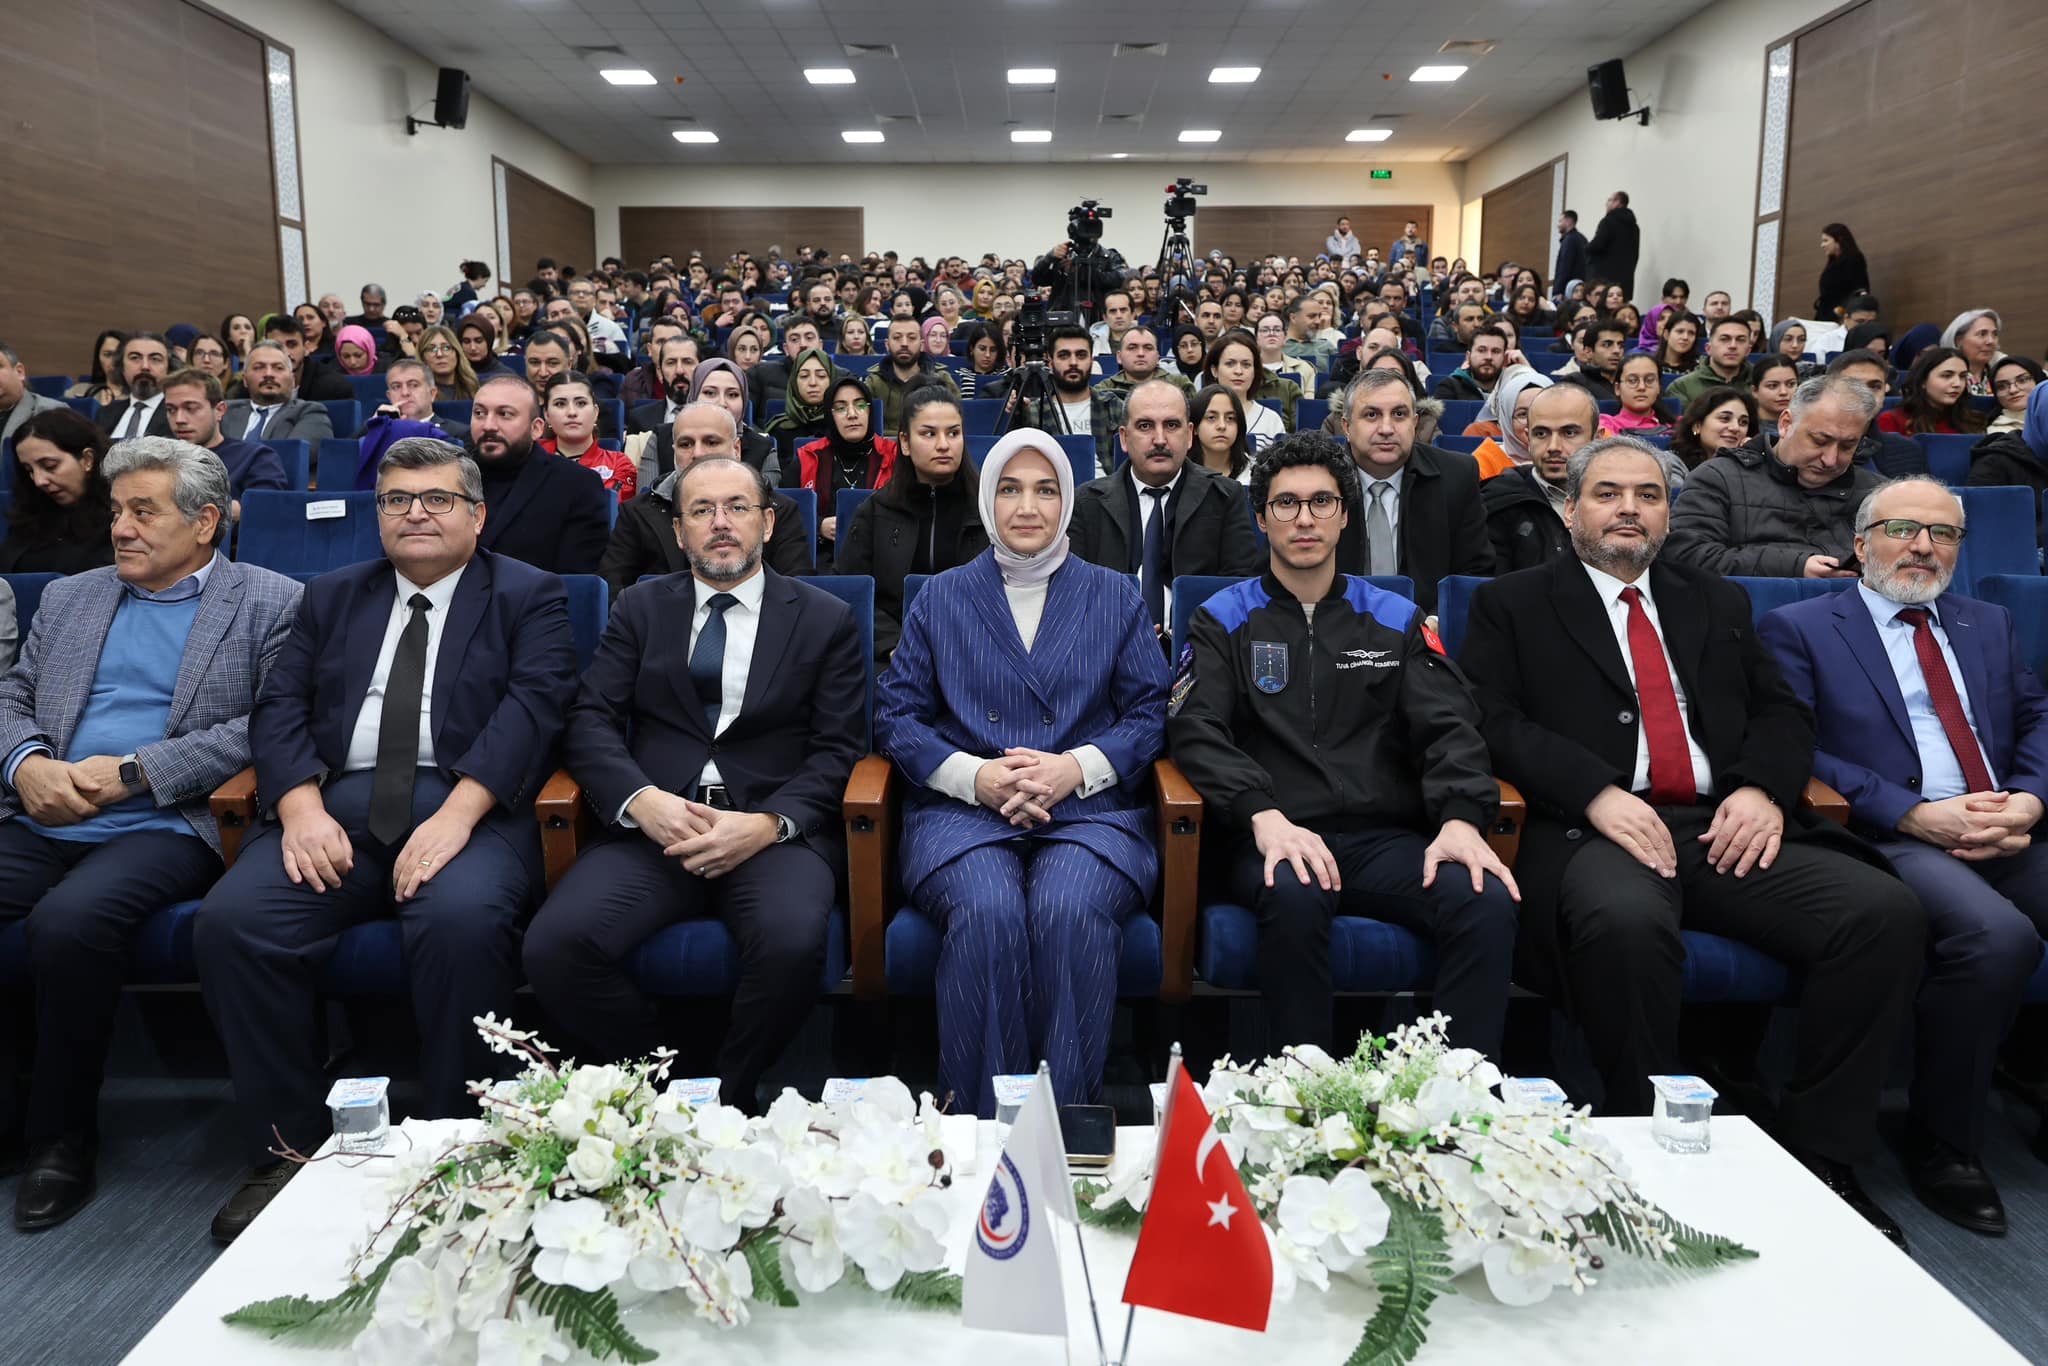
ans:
(361, 1107)
(1682, 1119)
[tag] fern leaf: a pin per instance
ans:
(1121, 1216)
(590, 1319)
(1692, 1250)
(764, 1258)
(334, 1319)
(1412, 1268)
(928, 1290)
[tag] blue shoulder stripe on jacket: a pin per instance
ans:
(1233, 606)
(1390, 610)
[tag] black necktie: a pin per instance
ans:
(1152, 573)
(707, 661)
(398, 730)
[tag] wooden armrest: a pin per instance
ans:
(1180, 870)
(1824, 800)
(234, 811)
(564, 821)
(1505, 835)
(870, 816)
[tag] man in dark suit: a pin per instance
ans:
(1160, 516)
(1935, 729)
(129, 705)
(409, 396)
(1418, 510)
(548, 511)
(274, 411)
(1571, 254)
(1617, 242)
(675, 360)
(192, 399)
(315, 380)
(713, 734)
(399, 742)
(145, 365)
(1663, 758)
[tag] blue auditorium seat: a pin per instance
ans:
(1459, 413)
(278, 534)
(2002, 535)
(845, 503)
(589, 606)
(1948, 457)
(346, 414)
(1310, 414)
(806, 501)
(1766, 594)
(297, 459)
(28, 595)
(978, 416)
(1465, 444)
(370, 389)
(334, 464)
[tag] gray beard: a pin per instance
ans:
(1892, 586)
(1610, 559)
(712, 573)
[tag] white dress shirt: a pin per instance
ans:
(1145, 507)
(742, 625)
(1610, 589)
(1392, 497)
(1941, 773)
(135, 421)
(259, 418)
(362, 742)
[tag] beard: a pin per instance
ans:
(1622, 561)
(1888, 582)
(144, 386)
(713, 572)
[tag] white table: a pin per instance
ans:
(1828, 1287)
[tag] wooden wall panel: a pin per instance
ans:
(1515, 223)
(545, 222)
(1918, 124)
(136, 162)
(1244, 232)
(647, 233)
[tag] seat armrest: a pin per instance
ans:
(1504, 836)
(870, 814)
(234, 810)
(1180, 865)
(565, 821)
(1825, 801)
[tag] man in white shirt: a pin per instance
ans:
(1117, 316)
(605, 334)
(1343, 243)
(145, 365)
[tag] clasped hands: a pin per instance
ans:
(1024, 785)
(1977, 825)
(56, 793)
(708, 841)
(1746, 832)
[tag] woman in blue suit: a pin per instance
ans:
(1026, 701)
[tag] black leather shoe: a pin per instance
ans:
(252, 1199)
(1955, 1187)
(57, 1184)
(1840, 1178)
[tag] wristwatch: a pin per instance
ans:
(131, 772)
(785, 828)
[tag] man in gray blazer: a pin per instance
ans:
(17, 402)
(274, 411)
(129, 706)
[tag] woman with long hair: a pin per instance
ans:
(102, 382)
(848, 455)
(319, 336)
(238, 331)
(1679, 348)
(1843, 272)
(1772, 380)
(1717, 420)
(1935, 397)
(856, 336)
(441, 351)
(984, 359)
(570, 411)
(57, 523)
(1234, 364)
(2013, 380)
(1220, 441)
(1640, 387)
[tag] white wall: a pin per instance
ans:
(1691, 175)
(962, 210)
(380, 205)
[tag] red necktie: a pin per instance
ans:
(1671, 781)
(1948, 704)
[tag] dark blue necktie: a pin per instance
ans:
(1153, 571)
(707, 661)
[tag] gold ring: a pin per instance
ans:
(426, 863)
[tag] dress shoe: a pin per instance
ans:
(1840, 1178)
(1954, 1186)
(57, 1184)
(252, 1199)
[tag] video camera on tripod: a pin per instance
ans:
(1035, 322)
(1084, 225)
(1180, 202)
(1176, 253)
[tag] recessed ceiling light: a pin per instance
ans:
(829, 75)
(1033, 75)
(694, 135)
(1118, 156)
(1437, 73)
(1031, 135)
(862, 135)
(1233, 75)
(1368, 135)
(1200, 134)
(627, 75)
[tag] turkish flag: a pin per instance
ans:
(1201, 1251)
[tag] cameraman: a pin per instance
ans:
(1063, 272)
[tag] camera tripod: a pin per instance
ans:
(1033, 400)
(1176, 256)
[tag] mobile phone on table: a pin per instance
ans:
(1089, 1132)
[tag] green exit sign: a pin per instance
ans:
(1382, 175)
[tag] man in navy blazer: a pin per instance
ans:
(713, 733)
(1933, 727)
(399, 743)
(546, 510)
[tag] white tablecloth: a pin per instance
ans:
(1827, 1288)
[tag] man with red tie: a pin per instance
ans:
(1663, 757)
(1934, 728)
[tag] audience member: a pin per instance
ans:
(1975, 333)
(1788, 339)
(193, 403)
(720, 381)
(1934, 397)
(102, 383)
(906, 369)
(1893, 456)
(409, 396)
(1678, 346)
(272, 409)
(1598, 348)
(1716, 420)
(145, 364)
(571, 416)
(1408, 247)
(1843, 274)
(1525, 504)
(1485, 354)
(2013, 379)
(1329, 799)
(1675, 296)
(1504, 421)
(848, 454)
(1220, 440)
(1771, 382)
(803, 417)
(553, 514)
(2018, 458)
(1664, 777)
(397, 784)
(19, 403)
(208, 354)
(1617, 242)
(1725, 364)
(57, 521)
(768, 380)
(1234, 364)
(1271, 334)
(128, 706)
(442, 353)
(355, 351)
(315, 380)
(1570, 263)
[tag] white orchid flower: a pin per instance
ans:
(524, 1340)
(1520, 1274)
(579, 1245)
(421, 1297)
(887, 1240)
(390, 1343)
(811, 1240)
(1339, 1220)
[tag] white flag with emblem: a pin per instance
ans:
(1013, 1266)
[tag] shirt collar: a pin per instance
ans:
(1884, 611)
(191, 586)
(1610, 588)
(1170, 485)
(749, 591)
(440, 593)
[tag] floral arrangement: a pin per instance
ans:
(587, 1184)
(1402, 1167)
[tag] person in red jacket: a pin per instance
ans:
(571, 413)
(849, 455)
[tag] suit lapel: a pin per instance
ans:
(1685, 632)
(674, 614)
(772, 635)
(531, 476)
(369, 616)
(92, 628)
(1961, 625)
(465, 614)
(1060, 628)
(1585, 620)
(985, 591)
(1418, 482)
(1859, 633)
(218, 603)
(1121, 505)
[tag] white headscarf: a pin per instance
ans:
(1019, 568)
(1500, 406)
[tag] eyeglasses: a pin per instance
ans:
(439, 502)
(1287, 507)
(437, 349)
(848, 409)
(735, 511)
(2013, 386)
(1905, 529)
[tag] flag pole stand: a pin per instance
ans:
(1094, 1314)
(1123, 1355)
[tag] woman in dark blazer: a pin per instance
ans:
(923, 519)
(1026, 700)
(58, 521)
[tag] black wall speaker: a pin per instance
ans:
(451, 97)
(1608, 87)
